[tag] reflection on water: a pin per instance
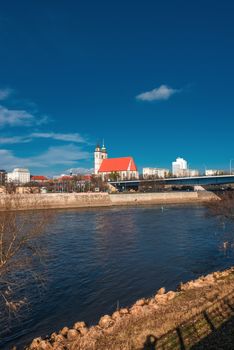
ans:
(101, 258)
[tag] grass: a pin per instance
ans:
(200, 316)
(180, 324)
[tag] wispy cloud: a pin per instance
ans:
(67, 155)
(62, 155)
(72, 137)
(163, 92)
(14, 140)
(14, 117)
(5, 93)
(9, 117)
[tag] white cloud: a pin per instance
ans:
(10, 117)
(43, 119)
(14, 117)
(163, 92)
(14, 139)
(68, 154)
(5, 93)
(8, 160)
(74, 137)
(62, 155)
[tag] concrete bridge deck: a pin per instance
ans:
(193, 181)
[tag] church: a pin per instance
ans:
(125, 167)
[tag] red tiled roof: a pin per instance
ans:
(117, 164)
(87, 177)
(39, 178)
(65, 178)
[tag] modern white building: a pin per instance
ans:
(213, 172)
(179, 167)
(19, 176)
(155, 173)
(193, 172)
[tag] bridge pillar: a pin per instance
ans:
(198, 188)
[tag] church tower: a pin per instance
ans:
(100, 153)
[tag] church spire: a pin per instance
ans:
(100, 154)
(103, 147)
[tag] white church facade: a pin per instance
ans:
(100, 153)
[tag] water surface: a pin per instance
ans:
(101, 258)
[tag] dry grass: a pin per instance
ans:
(179, 324)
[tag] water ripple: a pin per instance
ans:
(101, 258)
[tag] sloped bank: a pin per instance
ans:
(84, 200)
(185, 317)
(162, 198)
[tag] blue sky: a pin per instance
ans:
(153, 78)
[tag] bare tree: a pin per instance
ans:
(21, 252)
(10, 188)
(224, 208)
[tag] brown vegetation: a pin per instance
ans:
(223, 208)
(20, 253)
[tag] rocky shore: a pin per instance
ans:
(190, 317)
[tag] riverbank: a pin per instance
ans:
(84, 200)
(199, 315)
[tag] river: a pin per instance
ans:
(103, 258)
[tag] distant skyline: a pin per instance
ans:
(154, 79)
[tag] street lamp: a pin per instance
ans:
(205, 168)
(230, 166)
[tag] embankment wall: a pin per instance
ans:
(55, 200)
(161, 198)
(84, 200)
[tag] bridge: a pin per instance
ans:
(180, 181)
